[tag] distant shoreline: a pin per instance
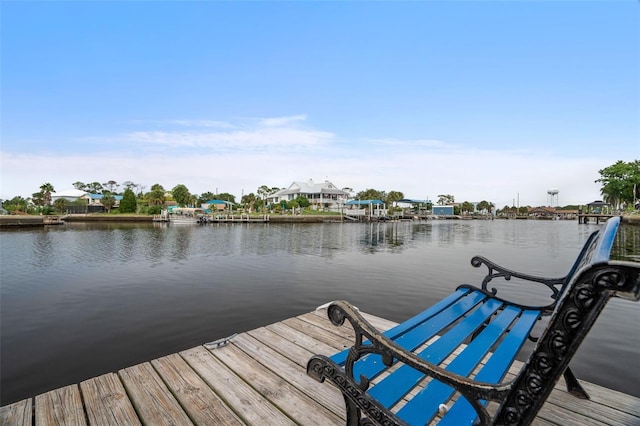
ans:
(11, 221)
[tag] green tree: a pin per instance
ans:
(249, 200)
(112, 186)
(46, 189)
(620, 183)
(181, 195)
(37, 198)
(80, 186)
(94, 188)
(108, 201)
(393, 196)
(371, 194)
(15, 204)
(466, 207)
(302, 201)
(128, 204)
(485, 206)
(444, 199)
(207, 196)
(135, 187)
(61, 204)
(156, 197)
(264, 192)
(225, 196)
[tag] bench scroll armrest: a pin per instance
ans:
(497, 271)
(368, 340)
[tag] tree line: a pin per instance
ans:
(620, 187)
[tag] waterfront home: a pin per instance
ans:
(217, 205)
(95, 199)
(70, 195)
(323, 195)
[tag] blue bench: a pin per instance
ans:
(448, 363)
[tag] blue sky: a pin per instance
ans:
(496, 101)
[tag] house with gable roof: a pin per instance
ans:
(323, 195)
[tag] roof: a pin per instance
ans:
(99, 196)
(218, 202)
(73, 193)
(363, 202)
(597, 203)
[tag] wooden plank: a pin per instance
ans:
(591, 409)
(345, 331)
(151, 398)
(60, 407)
(200, 402)
(106, 401)
(284, 347)
(16, 414)
(282, 394)
(565, 417)
(614, 399)
(244, 400)
(306, 341)
(291, 372)
(318, 333)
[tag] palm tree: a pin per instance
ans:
(46, 189)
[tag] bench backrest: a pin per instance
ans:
(596, 249)
(593, 280)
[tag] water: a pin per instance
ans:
(80, 300)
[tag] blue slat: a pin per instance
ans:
(392, 388)
(495, 369)
(424, 405)
(372, 365)
(394, 332)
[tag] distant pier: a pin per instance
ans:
(597, 218)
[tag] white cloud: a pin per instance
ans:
(281, 121)
(201, 123)
(481, 175)
(186, 123)
(241, 160)
(412, 143)
(263, 138)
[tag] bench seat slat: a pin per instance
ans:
(425, 404)
(403, 327)
(394, 387)
(496, 367)
(371, 365)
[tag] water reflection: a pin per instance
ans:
(43, 250)
(627, 244)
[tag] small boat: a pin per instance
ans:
(188, 220)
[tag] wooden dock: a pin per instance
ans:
(594, 218)
(258, 378)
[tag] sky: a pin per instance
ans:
(497, 101)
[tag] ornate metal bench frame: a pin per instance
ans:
(578, 300)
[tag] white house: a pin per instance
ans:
(321, 195)
(95, 199)
(69, 195)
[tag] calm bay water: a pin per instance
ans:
(80, 300)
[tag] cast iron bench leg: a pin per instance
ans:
(573, 386)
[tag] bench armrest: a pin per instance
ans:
(369, 340)
(497, 271)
